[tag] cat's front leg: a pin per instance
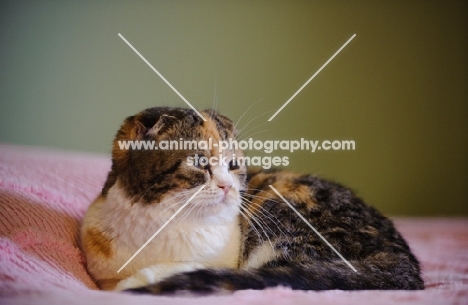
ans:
(155, 273)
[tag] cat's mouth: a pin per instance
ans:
(214, 202)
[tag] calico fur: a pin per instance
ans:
(237, 233)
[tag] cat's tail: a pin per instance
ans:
(322, 276)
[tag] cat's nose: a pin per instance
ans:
(225, 187)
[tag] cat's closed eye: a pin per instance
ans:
(200, 161)
(233, 165)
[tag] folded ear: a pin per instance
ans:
(162, 124)
(134, 129)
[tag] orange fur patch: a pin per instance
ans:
(211, 131)
(107, 284)
(97, 243)
(294, 192)
(284, 185)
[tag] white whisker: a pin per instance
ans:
(245, 112)
(252, 226)
(248, 123)
(259, 225)
(272, 217)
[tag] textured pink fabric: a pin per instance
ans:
(44, 195)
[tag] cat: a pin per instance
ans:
(236, 232)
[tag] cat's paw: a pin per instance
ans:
(155, 273)
(142, 278)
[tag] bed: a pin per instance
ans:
(44, 194)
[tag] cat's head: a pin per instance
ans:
(174, 171)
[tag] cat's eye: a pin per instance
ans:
(200, 161)
(233, 165)
(203, 166)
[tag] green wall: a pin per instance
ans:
(399, 89)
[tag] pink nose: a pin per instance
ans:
(225, 187)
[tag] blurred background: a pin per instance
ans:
(399, 89)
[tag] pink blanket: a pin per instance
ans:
(44, 194)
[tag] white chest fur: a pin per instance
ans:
(184, 240)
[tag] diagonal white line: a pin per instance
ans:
(162, 77)
(310, 79)
(160, 229)
(313, 229)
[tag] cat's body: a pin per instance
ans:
(237, 233)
